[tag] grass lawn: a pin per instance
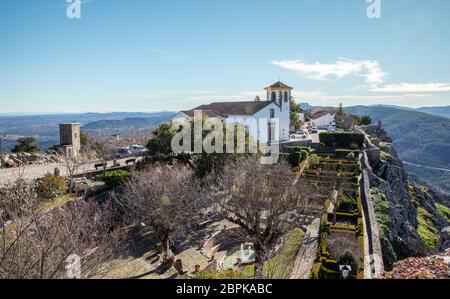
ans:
(281, 265)
(57, 202)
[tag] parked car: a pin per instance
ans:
(313, 130)
(123, 152)
(298, 136)
(138, 150)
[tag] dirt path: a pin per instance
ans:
(307, 252)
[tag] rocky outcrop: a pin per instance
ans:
(397, 200)
(444, 240)
(38, 158)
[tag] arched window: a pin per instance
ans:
(286, 97)
(274, 96)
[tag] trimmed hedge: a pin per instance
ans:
(296, 158)
(113, 177)
(341, 140)
(293, 149)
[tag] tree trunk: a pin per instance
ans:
(165, 249)
(259, 262)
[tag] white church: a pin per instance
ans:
(276, 109)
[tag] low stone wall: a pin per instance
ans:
(374, 266)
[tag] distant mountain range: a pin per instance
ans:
(439, 111)
(45, 127)
(119, 126)
(443, 111)
(420, 138)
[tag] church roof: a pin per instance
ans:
(230, 108)
(279, 85)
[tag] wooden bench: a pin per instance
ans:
(99, 165)
(130, 161)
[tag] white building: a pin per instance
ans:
(323, 120)
(301, 116)
(276, 107)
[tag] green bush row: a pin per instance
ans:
(293, 149)
(342, 140)
(113, 177)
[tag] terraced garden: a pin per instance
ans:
(335, 177)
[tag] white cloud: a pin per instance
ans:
(412, 87)
(369, 69)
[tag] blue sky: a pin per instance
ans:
(148, 55)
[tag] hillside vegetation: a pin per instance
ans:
(419, 138)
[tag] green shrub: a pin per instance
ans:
(296, 158)
(325, 273)
(346, 203)
(443, 210)
(384, 155)
(348, 259)
(426, 229)
(325, 227)
(51, 186)
(313, 159)
(25, 145)
(359, 230)
(113, 177)
(342, 140)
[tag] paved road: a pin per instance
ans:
(30, 172)
(428, 167)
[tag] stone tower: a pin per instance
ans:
(69, 135)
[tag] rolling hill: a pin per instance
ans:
(119, 126)
(45, 127)
(420, 138)
(438, 111)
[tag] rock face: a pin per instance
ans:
(444, 240)
(397, 200)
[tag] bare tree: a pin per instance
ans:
(263, 200)
(73, 164)
(102, 149)
(163, 198)
(36, 244)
